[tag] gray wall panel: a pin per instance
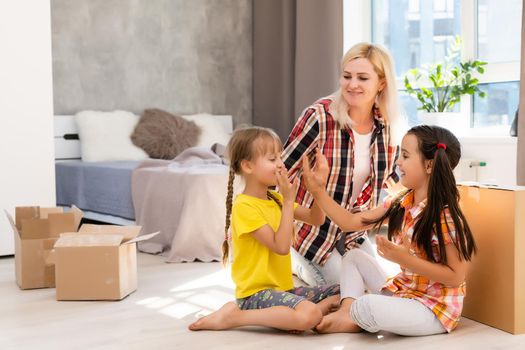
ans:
(185, 56)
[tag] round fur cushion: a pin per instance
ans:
(163, 135)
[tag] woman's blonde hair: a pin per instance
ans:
(387, 99)
(246, 143)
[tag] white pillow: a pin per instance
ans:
(215, 128)
(105, 136)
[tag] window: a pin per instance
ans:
(499, 107)
(423, 30)
(497, 20)
(420, 31)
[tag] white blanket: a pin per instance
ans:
(184, 199)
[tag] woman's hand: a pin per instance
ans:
(286, 188)
(391, 251)
(315, 179)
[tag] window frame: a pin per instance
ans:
(357, 27)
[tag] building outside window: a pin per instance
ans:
(419, 32)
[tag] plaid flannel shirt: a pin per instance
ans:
(317, 128)
(444, 301)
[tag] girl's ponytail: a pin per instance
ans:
(443, 148)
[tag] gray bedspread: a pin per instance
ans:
(103, 187)
(184, 199)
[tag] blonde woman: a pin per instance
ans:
(357, 130)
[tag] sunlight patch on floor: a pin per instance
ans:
(201, 295)
(180, 310)
(211, 299)
(219, 278)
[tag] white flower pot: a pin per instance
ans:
(457, 123)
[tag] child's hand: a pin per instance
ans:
(392, 251)
(286, 188)
(315, 179)
(321, 166)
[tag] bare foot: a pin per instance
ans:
(329, 304)
(218, 320)
(337, 322)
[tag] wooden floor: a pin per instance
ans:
(168, 298)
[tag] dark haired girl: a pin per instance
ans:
(428, 236)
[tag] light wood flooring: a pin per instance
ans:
(168, 298)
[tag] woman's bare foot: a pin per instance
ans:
(218, 320)
(337, 322)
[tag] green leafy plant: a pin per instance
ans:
(439, 86)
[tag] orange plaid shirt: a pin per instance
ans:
(445, 302)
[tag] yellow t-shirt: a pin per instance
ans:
(255, 267)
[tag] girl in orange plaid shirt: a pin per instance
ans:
(428, 236)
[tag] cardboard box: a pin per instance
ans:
(36, 230)
(496, 277)
(97, 263)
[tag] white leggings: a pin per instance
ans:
(317, 275)
(380, 311)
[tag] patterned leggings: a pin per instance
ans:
(269, 297)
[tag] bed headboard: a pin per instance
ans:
(67, 143)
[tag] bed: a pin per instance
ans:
(170, 196)
(101, 189)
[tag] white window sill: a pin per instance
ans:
(507, 140)
(488, 135)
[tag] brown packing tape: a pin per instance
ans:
(25, 213)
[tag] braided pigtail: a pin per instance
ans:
(271, 196)
(225, 243)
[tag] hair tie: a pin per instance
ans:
(441, 145)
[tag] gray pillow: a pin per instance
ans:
(163, 135)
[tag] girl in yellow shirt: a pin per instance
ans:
(262, 233)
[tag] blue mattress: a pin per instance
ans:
(102, 187)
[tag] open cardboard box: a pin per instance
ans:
(97, 263)
(496, 276)
(36, 229)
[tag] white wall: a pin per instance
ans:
(27, 175)
(500, 154)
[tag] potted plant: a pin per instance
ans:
(439, 86)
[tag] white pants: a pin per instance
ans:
(376, 311)
(314, 274)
